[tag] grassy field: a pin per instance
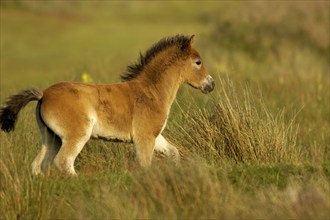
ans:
(255, 148)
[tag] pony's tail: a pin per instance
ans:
(8, 114)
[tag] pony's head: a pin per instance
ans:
(194, 72)
(176, 55)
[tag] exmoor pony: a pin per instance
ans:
(136, 110)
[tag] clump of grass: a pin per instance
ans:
(240, 128)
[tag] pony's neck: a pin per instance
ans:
(163, 86)
(160, 77)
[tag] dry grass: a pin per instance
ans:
(240, 129)
(239, 162)
(256, 148)
(193, 190)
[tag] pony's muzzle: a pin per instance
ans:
(208, 85)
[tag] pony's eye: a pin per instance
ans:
(198, 62)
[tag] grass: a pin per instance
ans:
(255, 148)
(240, 129)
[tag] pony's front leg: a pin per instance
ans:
(144, 149)
(165, 147)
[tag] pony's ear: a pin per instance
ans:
(191, 40)
(187, 44)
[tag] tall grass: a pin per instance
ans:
(239, 161)
(255, 148)
(240, 128)
(193, 190)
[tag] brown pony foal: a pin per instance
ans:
(136, 110)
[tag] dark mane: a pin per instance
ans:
(134, 70)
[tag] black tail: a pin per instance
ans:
(8, 114)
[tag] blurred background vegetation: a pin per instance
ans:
(260, 141)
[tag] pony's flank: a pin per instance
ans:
(134, 70)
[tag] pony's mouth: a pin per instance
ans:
(208, 85)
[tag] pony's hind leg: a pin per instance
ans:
(36, 164)
(50, 146)
(65, 158)
(71, 147)
(164, 147)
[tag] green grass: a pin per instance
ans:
(255, 148)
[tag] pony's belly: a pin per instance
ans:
(111, 134)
